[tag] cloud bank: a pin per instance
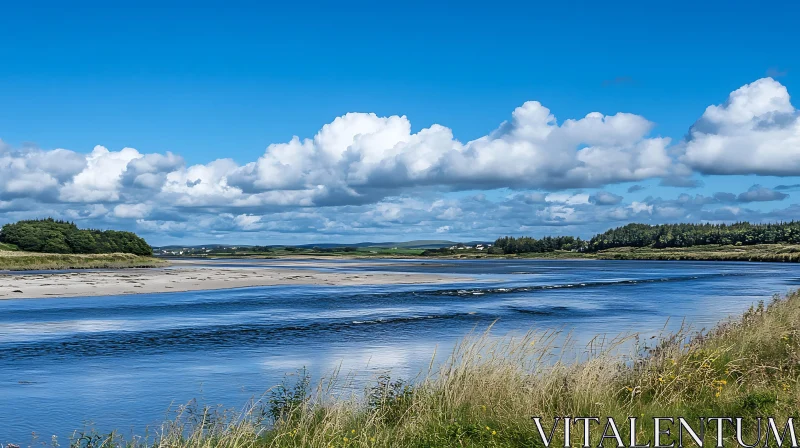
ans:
(372, 167)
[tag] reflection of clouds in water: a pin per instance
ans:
(403, 360)
(27, 331)
(286, 364)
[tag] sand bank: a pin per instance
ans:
(189, 278)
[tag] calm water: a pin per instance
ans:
(120, 362)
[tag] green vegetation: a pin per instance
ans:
(736, 242)
(33, 261)
(486, 394)
(758, 252)
(688, 235)
(285, 251)
(659, 237)
(61, 237)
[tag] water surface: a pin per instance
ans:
(120, 362)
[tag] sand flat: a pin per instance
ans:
(189, 278)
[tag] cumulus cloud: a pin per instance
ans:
(359, 158)
(34, 173)
(605, 198)
(756, 131)
(757, 193)
(363, 173)
(100, 180)
(132, 210)
(358, 154)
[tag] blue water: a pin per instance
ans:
(121, 362)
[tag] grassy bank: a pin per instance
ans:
(487, 392)
(758, 252)
(19, 260)
(712, 252)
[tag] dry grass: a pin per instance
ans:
(18, 260)
(488, 390)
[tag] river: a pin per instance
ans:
(120, 362)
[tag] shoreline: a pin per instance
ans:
(191, 278)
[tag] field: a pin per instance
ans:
(489, 390)
(281, 252)
(757, 252)
(11, 260)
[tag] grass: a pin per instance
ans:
(712, 252)
(18, 260)
(758, 252)
(8, 247)
(486, 394)
(361, 252)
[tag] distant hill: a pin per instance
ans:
(416, 244)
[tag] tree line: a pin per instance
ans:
(62, 237)
(659, 237)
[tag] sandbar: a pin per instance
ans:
(191, 277)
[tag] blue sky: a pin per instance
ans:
(205, 81)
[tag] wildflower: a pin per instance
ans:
(372, 439)
(488, 428)
(346, 440)
(483, 407)
(353, 431)
(786, 387)
(494, 433)
(660, 379)
(629, 389)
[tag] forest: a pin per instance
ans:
(62, 237)
(659, 237)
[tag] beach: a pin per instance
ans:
(191, 276)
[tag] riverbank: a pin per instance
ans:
(489, 390)
(711, 252)
(33, 261)
(190, 277)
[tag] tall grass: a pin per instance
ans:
(19, 260)
(486, 392)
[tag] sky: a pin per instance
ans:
(257, 123)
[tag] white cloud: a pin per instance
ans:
(137, 211)
(34, 173)
(100, 181)
(757, 131)
(362, 174)
(757, 193)
(605, 198)
(248, 222)
(640, 207)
